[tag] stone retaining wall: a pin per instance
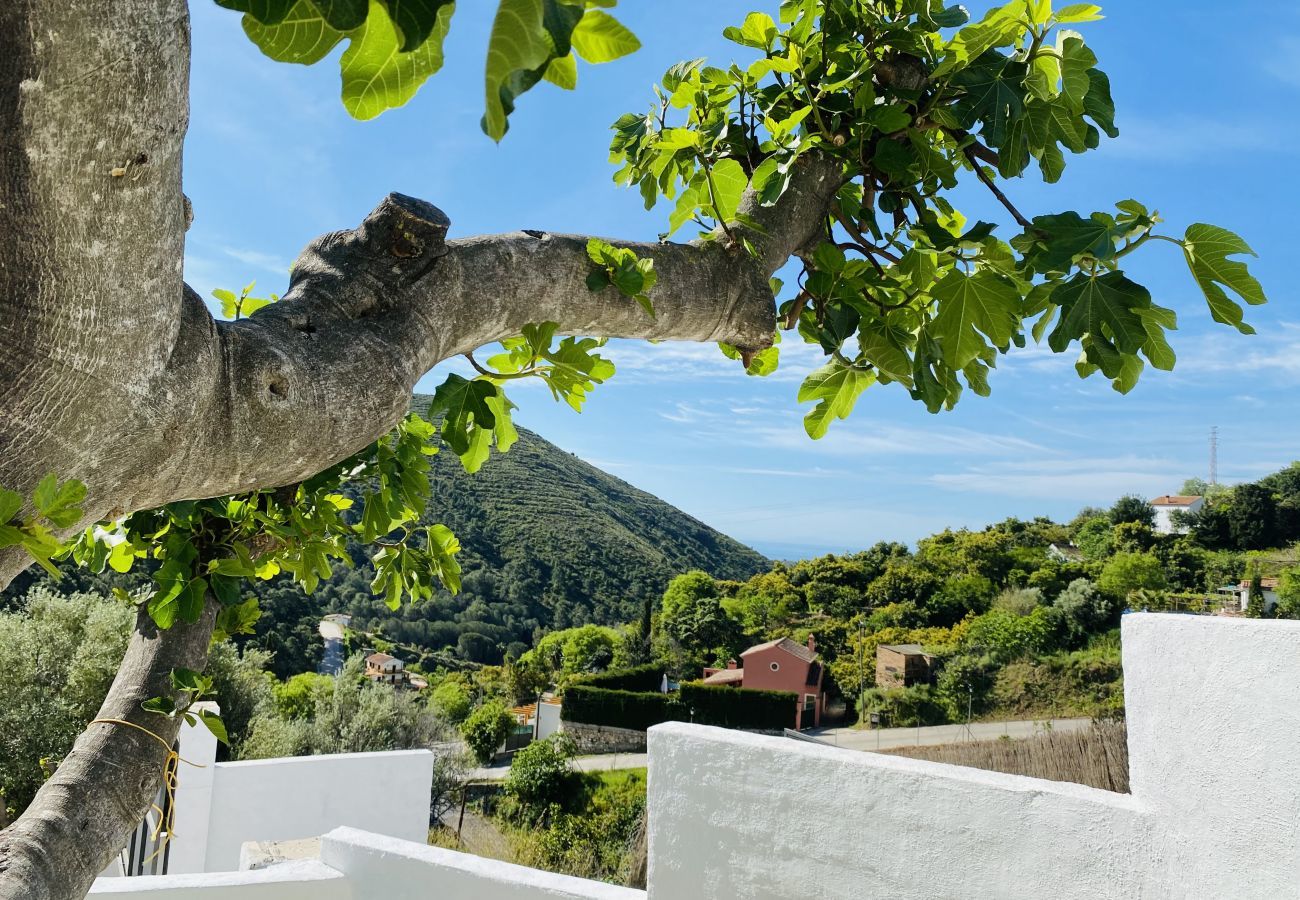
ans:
(603, 739)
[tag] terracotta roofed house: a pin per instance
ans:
(1267, 585)
(1167, 505)
(779, 665)
(385, 668)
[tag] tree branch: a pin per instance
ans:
(317, 376)
(82, 816)
(997, 191)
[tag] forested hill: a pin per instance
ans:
(548, 541)
(555, 527)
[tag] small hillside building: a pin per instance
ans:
(902, 665)
(1267, 585)
(779, 665)
(1065, 553)
(1169, 504)
(387, 669)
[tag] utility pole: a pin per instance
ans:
(1214, 454)
(862, 670)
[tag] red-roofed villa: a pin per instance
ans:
(779, 665)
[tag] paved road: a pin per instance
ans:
(847, 738)
(332, 632)
(499, 771)
(892, 738)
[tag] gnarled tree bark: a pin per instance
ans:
(113, 372)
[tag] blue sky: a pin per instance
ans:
(273, 160)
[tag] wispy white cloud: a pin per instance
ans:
(1184, 138)
(1282, 60)
(258, 259)
(684, 361)
(1087, 479)
(1273, 354)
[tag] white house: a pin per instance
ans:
(1167, 505)
(1267, 585)
(385, 668)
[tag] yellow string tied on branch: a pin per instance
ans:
(171, 765)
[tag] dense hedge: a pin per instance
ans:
(730, 707)
(638, 678)
(621, 709)
(706, 704)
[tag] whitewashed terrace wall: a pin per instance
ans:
(220, 806)
(358, 865)
(299, 880)
(400, 870)
(284, 799)
(1213, 708)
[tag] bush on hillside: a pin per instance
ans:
(648, 677)
(486, 730)
(451, 701)
(541, 776)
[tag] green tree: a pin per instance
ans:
(541, 776)
(1127, 572)
(1132, 537)
(1252, 518)
(1004, 635)
(694, 620)
(870, 119)
(59, 655)
(1256, 606)
(1288, 595)
(903, 581)
(451, 701)
(1095, 537)
(244, 689)
(298, 697)
(959, 596)
(1084, 609)
(486, 729)
(576, 651)
(1132, 508)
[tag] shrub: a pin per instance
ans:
(706, 704)
(1127, 572)
(1084, 609)
(297, 697)
(964, 683)
(648, 677)
(1082, 683)
(540, 775)
(905, 707)
(451, 701)
(730, 707)
(1004, 635)
(486, 729)
(621, 709)
(1019, 601)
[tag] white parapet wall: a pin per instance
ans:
(400, 870)
(1213, 707)
(301, 880)
(305, 796)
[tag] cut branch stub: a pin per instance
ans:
(405, 229)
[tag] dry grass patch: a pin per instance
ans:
(1096, 756)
